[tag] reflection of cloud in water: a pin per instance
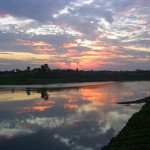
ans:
(41, 140)
(11, 132)
(36, 108)
(118, 117)
(70, 106)
(72, 119)
(83, 135)
(82, 129)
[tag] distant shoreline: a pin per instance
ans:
(48, 76)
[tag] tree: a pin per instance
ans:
(28, 69)
(18, 70)
(45, 68)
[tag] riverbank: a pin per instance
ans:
(136, 134)
(69, 76)
(41, 81)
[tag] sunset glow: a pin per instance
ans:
(29, 43)
(86, 35)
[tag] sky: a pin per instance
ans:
(83, 34)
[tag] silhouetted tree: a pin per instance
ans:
(28, 69)
(18, 70)
(45, 68)
(77, 69)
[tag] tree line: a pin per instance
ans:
(45, 74)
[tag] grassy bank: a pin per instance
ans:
(35, 81)
(136, 134)
(31, 81)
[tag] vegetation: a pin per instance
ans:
(45, 75)
(136, 134)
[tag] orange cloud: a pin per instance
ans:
(44, 49)
(38, 45)
(90, 59)
(70, 45)
(5, 15)
(29, 43)
(72, 65)
(90, 53)
(100, 54)
(81, 64)
(24, 56)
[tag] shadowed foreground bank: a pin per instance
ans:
(136, 134)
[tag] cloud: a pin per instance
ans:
(52, 30)
(137, 48)
(95, 11)
(39, 10)
(72, 6)
(22, 56)
(37, 45)
(75, 32)
(11, 24)
(30, 43)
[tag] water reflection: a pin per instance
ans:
(76, 118)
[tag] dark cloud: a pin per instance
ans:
(93, 11)
(39, 10)
(85, 19)
(80, 23)
(57, 40)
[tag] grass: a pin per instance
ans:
(21, 81)
(136, 134)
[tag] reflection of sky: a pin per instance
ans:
(80, 118)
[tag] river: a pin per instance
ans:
(72, 116)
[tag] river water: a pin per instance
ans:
(75, 116)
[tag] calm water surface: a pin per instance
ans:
(80, 116)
